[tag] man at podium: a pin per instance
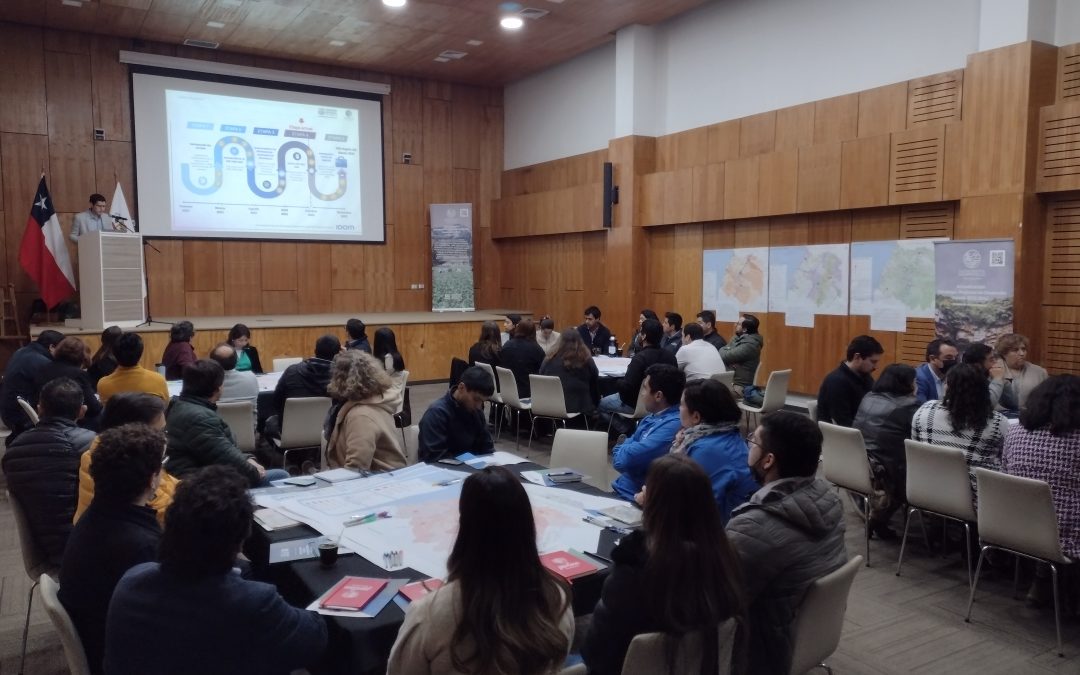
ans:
(93, 219)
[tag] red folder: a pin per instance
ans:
(567, 565)
(419, 589)
(352, 593)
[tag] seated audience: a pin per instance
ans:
(454, 424)
(128, 408)
(19, 378)
(363, 434)
(635, 342)
(743, 353)
(663, 389)
(303, 380)
(487, 348)
(710, 436)
(789, 534)
(547, 338)
(941, 356)
(672, 326)
(247, 357)
(964, 419)
(706, 318)
(518, 620)
(574, 366)
(70, 359)
(1021, 376)
(179, 353)
(596, 335)
(386, 351)
(625, 400)
(509, 322)
(42, 466)
(1001, 396)
(357, 332)
(884, 418)
(697, 358)
(198, 436)
(1046, 446)
(129, 375)
(118, 531)
(522, 356)
(238, 387)
(676, 575)
(843, 389)
(104, 361)
(193, 612)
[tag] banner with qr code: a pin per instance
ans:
(451, 258)
(974, 295)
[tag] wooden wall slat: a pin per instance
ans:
(379, 274)
(71, 122)
(411, 255)
(407, 95)
(1068, 73)
(467, 116)
(438, 154)
(916, 165)
(112, 94)
(935, 99)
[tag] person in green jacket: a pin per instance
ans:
(743, 353)
(198, 436)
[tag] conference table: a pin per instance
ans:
(362, 645)
(611, 369)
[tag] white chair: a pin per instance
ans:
(28, 409)
(301, 425)
(583, 451)
(61, 621)
(412, 444)
(816, 633)
(549, 402)
(240, 416)
(811, 409)
(726, 378)
(639, 410)
(495, 399)
(843, 454)
(775, 395)
(1017, 515)
(284, 362)
(509, 392)
(937, 483)
(34, 562)
(647, 654)
(399, 420)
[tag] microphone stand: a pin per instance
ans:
(146, 275)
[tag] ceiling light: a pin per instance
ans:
(214, 24)
(337, 43)
(512, 22)
(394, 3)
(71, 3)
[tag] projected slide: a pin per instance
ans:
(239, 162)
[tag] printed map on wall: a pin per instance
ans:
(735, 280)
(808, 280)
(893, 275)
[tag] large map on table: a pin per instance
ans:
(809, 279)
(735, 280)
(896, 275)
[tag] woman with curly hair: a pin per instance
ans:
(1021, 375)
(363, 435)
(179, 353)
(964, 419)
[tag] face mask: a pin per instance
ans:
(757, 472)
(946, 365)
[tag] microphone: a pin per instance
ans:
(116, 217)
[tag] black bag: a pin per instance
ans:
(404, 418)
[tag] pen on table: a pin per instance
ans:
(369, 518)
(449, 481)
(595, 521)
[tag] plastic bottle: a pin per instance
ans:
(612, 347)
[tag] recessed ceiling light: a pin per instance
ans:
(394, 3)
(337, 43)
(71, 3)
(512, 22)
(442, 59)
(214, 24)
(474, 43)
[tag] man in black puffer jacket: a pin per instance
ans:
(42, 466)
(301, 380)
(790, 533)
(19, 380)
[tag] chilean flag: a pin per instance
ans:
(43, 253)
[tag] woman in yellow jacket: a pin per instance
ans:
(126, 408)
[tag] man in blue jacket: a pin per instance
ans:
(663, 389)
(930, 376)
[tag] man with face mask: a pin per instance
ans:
(788, 534)
(930, 376)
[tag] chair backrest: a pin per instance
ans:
(639, 408)
(69, 636)
(584, 451)
(404, 375)
(240, 416)
(776, 390)
(457, 367)
(811, 409)
(34, 561)
(757, 374)
(302, 421)
(508, 387)
(647, 654)
(412, 444)
(284, 362)
(1018, 513)
(491, 371)
(843, 454)
(28, 409)
(548, 398)
(726, 378)
(937, 480)
(820, 620)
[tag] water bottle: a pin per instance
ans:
(612, 348)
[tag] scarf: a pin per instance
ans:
(691, 434)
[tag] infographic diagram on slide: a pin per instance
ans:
(239, 164)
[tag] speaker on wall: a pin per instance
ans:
(611, 192)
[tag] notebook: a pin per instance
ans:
(624, 514)
(418, 589)
(567, 565)
(352, 593)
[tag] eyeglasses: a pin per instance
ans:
(750, 439)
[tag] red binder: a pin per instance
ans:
(419, 589)
(352, 593)
(567, 565)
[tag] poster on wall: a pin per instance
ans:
(451, 258)
(974, 295)
(808, 280)
(735, 280)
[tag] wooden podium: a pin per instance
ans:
(111, 280)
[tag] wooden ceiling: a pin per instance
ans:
(402, 41)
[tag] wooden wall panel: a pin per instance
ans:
(411, 255)
(278, 266)
(1062, 268)
(203, 303)
(166, 278)
(682, 150)
(438, 159)
(71, 129)
(203, 266)
(864, 172)
(19, 153)
(795, 127)
(777, 176)
(916, 165)
(951, 184)
(112, 94)
(741, 188)
(723, 141)
(883, 110)
(819, 177)
(1059, 147)
(242, 279)
(726, 234)
(926, 221)
(280, 302)
(112, 163)
(22, 107)
(407, 95)
(1068, 73)
(935, 99)
(467, 117)
(757, 134)
(875, 224)
(708, 193)
(836, 119)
